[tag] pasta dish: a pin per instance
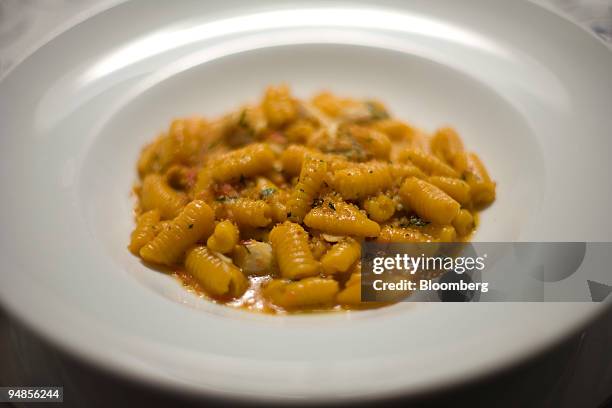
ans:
(266, 207)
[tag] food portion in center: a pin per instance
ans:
(266, 207)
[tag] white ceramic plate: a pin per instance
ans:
(528, 90)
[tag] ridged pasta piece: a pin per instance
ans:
(441, 233)
(145, 230)
(362, 180)
(351, 294)
(349, 109)
(290, 247)
(183, 143)
(379, 208)
(420, 141)
(202, 189)
(376, 111)
(157, 194)
(430, 164)
(476, 175)
(249, 161)
(163, 225)
(188, 132)
(400, 171)
(278, 106)
(244, 124)
(148, 161)
(395, 129)
(195, 222)
(278, 204)
(341, 256)
(375, 143)
(224, 237)
(179, 177)
(389, 234)
(340, 218)
(456, 188)
(336, 162)
(248, 212)
(306, 293)
(334, 139)
(428, 201)
(186, 128)
(309, 183)
(329, 103)
(218, 277)
(464, 223)
(299, 131)
(329, 140)
(292, 159)
(446, 143)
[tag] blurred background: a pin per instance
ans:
(575, 373)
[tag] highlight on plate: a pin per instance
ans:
(265, 208)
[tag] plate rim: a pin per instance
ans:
(71, 345)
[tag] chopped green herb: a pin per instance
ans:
(242, 121)
(214, 143)
(417, 221)
(376, 111)
(266, 192)
(331, 205)
(317, 202)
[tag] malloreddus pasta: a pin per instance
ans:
(266, 207)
